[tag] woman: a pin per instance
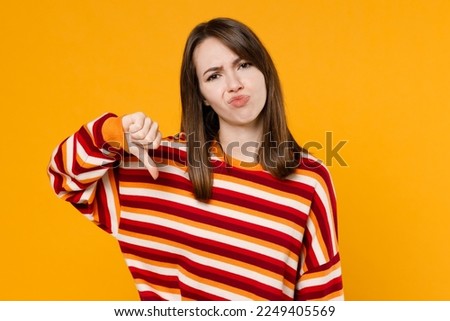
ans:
(229, 209)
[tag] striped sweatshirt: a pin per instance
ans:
(257, 238)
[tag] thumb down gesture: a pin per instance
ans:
(142, 134)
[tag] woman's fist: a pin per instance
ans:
(142, 134)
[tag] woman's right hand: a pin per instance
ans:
(142, 134)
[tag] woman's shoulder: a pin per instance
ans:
(313, 169)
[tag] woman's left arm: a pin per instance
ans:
(320, 275)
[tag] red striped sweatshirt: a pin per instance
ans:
(257, 238)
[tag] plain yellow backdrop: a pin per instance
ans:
(373, 74)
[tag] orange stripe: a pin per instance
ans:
(95, 214)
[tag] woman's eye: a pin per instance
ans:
(212, 77)
(245, 65)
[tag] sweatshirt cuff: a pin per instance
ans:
(113, 134)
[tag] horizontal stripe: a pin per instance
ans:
(230, 254)
(198, 257)
(210, 208)
(257, 238)
(238, 229)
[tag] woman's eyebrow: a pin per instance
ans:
(234, 63)
(212, 69)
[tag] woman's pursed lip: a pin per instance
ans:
(239, 101)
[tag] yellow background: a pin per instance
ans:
(373, 73)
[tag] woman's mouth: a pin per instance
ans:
(239, 101)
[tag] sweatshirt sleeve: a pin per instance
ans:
(82, 170)
(320, 275)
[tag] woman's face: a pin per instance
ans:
(232, 86)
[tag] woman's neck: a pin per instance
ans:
(241, 142)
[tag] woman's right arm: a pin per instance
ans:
(81, 168)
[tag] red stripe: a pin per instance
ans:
(324, 224)
(57, 182)
(104, 215)
(168, 281)
(197, 294)
(84, 208)
(133, 175)
(148, 253)
(320, 291)
(150, 296)
(311, 260)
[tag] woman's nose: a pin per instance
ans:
(234, 83)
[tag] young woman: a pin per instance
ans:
(229, 209)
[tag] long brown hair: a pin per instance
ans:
(279, 151)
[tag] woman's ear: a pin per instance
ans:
(205, 102)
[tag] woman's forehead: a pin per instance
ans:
(213, 52)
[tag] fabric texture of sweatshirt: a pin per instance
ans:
(257, 238)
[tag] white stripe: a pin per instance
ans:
(52, 166)
(150, 267)
(319, 280)
(87, 193)
(113, 215)
(89, 159)
(62, 194)
(315, 242)
(69, 158)
(202, 260)
(165, 295)
(304, 179)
